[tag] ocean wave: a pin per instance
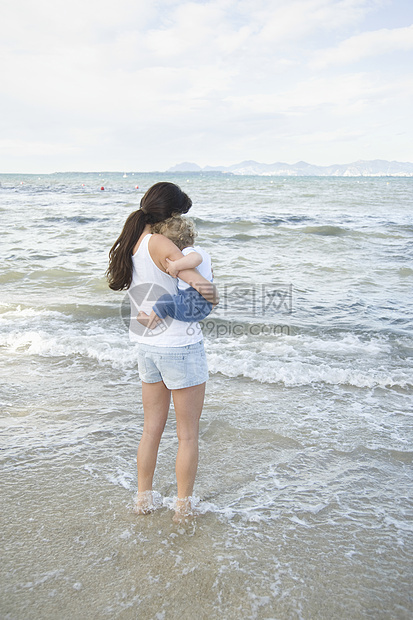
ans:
(269, 221)
(75, 219)
(277, 359)
(62, 315)
(306, 359)
(293, 374)
(327, 231)
(405, 272)
(10, 313)
(13, 275)
(301, 373)
(243, 229)
(93, 344)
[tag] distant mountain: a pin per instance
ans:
(186, 166)
(361, 168)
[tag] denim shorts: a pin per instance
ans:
(177, 367)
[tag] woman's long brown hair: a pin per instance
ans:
(160, 202)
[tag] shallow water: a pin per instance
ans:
(304, 484)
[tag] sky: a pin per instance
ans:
(141, 85)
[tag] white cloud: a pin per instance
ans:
(338, 93)
(193, 25)
(12, 148)
(150, 83)
(365, 45)
(289, 21)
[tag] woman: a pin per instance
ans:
(171, 358)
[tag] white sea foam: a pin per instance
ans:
(19, 313)
(122, 478)
(295, 373)
(306, 360)
(288, 360)
(96, 344)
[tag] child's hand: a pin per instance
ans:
(149, 321)
(173, 271)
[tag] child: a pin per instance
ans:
(188, 305)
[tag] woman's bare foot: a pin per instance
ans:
(144, 503)
(184, 512)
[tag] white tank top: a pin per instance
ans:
(148, 284)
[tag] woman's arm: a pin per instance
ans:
(161, 248)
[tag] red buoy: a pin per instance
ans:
(136, 186)
(102, 188)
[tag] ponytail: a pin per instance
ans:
(119, 273)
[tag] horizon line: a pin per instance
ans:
(202, 168)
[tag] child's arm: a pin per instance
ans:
(190, 261)
(161, 248)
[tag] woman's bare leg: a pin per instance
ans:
(156, 399)
(188, 404)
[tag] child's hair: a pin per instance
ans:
(178, 229)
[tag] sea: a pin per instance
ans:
(304, 488)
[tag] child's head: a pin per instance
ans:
(178, 229)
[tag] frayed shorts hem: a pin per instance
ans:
(176, 388)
